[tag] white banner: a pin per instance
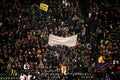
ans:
(67, 41)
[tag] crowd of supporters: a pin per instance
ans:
(24, 32)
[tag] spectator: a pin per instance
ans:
(23, 76)
(26, 66)
(41, 66)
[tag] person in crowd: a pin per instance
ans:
(23, 76)
(26, 66)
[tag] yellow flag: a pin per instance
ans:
(43, 7)
(100, 59)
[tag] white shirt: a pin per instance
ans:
(26, 66)
(29, 77)
(23, 77)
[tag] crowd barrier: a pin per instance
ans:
(53, 75)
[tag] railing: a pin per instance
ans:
(53, 75)
(9, 78)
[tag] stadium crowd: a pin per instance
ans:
(24, 32)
